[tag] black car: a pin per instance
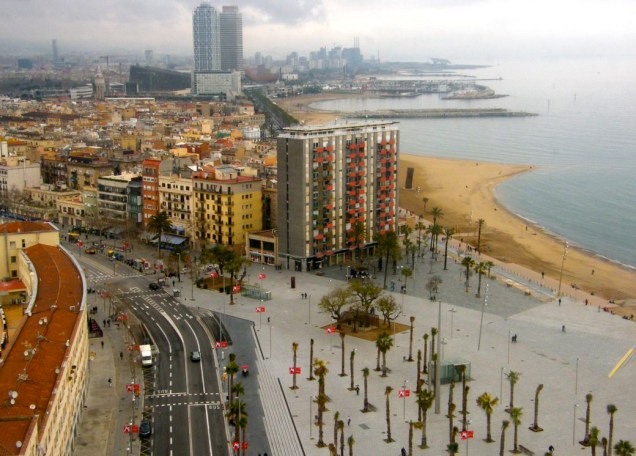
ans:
(154, 286)
(145, 429)
(195, 356)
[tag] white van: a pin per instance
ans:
(146, 355)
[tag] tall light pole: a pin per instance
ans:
(309, 310)
(311, 423)
(509, 337)
(452, 311)
(576, 378)
(179, 267)
(438, 363)
(481, 320)
(565, 252)
(501, 382)
(270, 341)
(404, 400)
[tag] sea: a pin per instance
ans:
(582, 144)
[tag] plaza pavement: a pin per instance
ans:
(543, 354)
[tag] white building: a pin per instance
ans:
(226, 83)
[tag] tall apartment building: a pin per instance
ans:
(226, 206)
(330, 178)
(175, 196)
(231, 32)
(205, 31)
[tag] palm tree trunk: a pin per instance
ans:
(388, 420)
(366, 396)
(383, 364)
(516, 436)
(377, 367)
(423, 443)
(311, 359)
(488, 433)
(410, 438)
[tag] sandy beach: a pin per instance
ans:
(466, 192)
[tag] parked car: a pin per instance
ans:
(195, 356)
(154, 286)
(145, 429)
(90, 251)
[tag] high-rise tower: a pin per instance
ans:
(231, 26)
(205, 31)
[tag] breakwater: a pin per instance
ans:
(436, 113)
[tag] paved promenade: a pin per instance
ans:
(568, 363)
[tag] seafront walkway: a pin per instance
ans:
(569, 364)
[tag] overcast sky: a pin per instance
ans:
(460, 30)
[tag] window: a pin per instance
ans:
(14, 259)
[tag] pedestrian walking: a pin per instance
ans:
(268, 320)
(348, 420)
(357, 390)
(110, 382)
(121, 356)
(102, 344)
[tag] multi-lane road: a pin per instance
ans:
(184, 395)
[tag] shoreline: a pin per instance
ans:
(506, 236)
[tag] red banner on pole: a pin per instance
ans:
(404, 393)
(293, 371)
(262, 276)
(330, 329)
(260, 309)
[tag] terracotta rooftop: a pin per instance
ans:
(32, 376)
(27, 227)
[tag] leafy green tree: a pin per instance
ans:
(388, 308)
(487, 403)
(425, 400)
(406, 272)
(433, 286)
(387, 392)
(384, 343)
(365, 292)
(515, 416)
(159, 224)
(611, 410)
(335, 303)
(228, 260)
(624, 448)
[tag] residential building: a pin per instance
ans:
(44, 354)
(330, 178)
(152, 168)
(84, 168)
(112, 197)
(231, 34)
(227, 206)
(17, 173)
(175, 196)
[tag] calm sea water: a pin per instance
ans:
(583, 144)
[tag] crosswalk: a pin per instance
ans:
(94, 276)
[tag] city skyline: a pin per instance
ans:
(454, 29)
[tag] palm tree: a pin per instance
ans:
(389, 247)
(365, 375)
(410, 358)
(448, 233)
(425, 201)
(604, 446)
(320, 370)
(513, 378)
(406, 272)
(235, 413)
(387, 393)
(451, 413)
(159, 224)
(434, 332)
(593, 440)
(425, 358)
(336, 418)
(465, 389)
(502, 440)
(468, 263)
(480, 224)
(515, 416)
(624, 448)
(384, 342)
(424, 400)
(342, 354)
(487, 403)
(243, 425)
(357, 233)
(418, 380)
(231, 369)
(480, 269)
(611, 409)
(535, 426)
(588, 411)
(351, 358)
(436, 230)
(350, 442)
(311, 359)
(436, 212)
(294, 350)
(489, 266)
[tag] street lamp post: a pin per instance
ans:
(444, 343)
(179, 267)
(501, 382)
(311, 423)
(404, 400)
(509, 337)
(565, 252)
(481, 320)
(438, 364)
(452, 311)
(270, 341)
(576, 378)
(309, 310)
